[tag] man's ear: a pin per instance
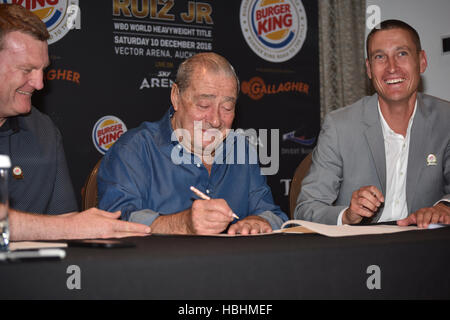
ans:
(175, 96)
(369, 73)
(423, 61)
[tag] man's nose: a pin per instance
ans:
(214, 117)
(37, 79)
(392, 64)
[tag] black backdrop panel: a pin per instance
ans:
(121, 57)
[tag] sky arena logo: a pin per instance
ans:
(56, 14)
(274, 29)
(106, 132)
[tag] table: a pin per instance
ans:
(411, 265)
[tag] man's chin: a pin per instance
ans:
(17, 110)
(24, 109)
(397, 98)
(211, 144)
(23, 112)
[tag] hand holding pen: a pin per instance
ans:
(211, 216)
(205, 197)
(249, 225)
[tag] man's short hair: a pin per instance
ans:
(395, 24)
(210, 60)
(14, 17)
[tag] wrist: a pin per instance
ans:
(177, 223)
(60, 226)
(345, 219)
(349, 218)
(443, 206)
(188, 225)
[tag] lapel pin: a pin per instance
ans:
(17, 172)
(431, 160)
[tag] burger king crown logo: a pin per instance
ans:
(107, 130)
(54, 13)
(274, 29)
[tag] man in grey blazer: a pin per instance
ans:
(386, 157)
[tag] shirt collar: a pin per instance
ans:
(165, 129)
(11, 125)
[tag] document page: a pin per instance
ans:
(346, 230)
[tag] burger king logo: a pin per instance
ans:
(56, 14)
(274, 29)
(106, 132)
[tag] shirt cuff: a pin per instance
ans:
(442, 200)
(274, 220)
(339, 219)
(145, 216)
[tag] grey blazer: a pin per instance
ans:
(350, 154)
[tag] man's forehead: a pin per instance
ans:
(15, 40)
(202, 79)
(25, 49)
(385, 38)
(206, 96)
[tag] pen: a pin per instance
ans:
(50, 253)
(205, 197)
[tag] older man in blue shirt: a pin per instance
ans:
(148, 172)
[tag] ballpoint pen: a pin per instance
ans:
(205, 197)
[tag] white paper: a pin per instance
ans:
(347, 230)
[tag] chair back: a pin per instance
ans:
(296, 183)
(89, 191)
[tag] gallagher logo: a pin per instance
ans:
(256, 88)
(106, 131)
(56, 14)
(274, 29)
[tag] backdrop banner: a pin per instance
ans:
(113, 63)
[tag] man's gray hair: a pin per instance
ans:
(211, 61)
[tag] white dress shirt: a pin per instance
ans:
(396, 149)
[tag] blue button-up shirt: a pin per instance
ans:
(147, 173)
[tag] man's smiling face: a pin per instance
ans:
(209, 101)
(394, 65)
(22, 63)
